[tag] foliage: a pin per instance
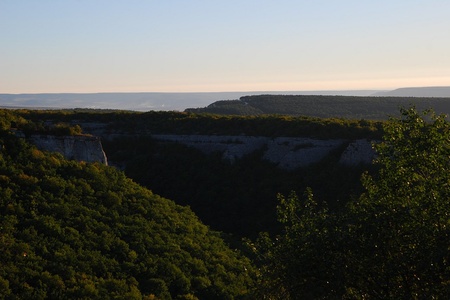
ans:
(403, 218)
(10, 119)
(160, 122)
(391, 243)
(347, 107)
(78, 230)
(303, 263)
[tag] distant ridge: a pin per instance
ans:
(144, 101)
(162, 101)
(325, 106)
(431, 91)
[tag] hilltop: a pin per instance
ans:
(431, 91)
(348, 107)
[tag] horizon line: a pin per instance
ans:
(234, 91)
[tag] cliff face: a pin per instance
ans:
(286, 152)
(80, 148)
(358, 152)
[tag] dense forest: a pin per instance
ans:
(349, 107)
(73, 230)
(161, 122)
(84, 230)
(238, 198)
(392, 242)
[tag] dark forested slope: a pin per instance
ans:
(349, 107)
(78, 230)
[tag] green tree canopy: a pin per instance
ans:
(391, 243)
(402, 221)
(73, 230)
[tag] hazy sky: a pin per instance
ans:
(212, 45)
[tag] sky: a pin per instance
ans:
(87, 46)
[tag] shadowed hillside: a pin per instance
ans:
(349, 107)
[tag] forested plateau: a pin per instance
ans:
(324, 106)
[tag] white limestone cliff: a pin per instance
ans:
(286, 152)
(80, 148)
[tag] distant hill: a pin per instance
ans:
(121, 101)
(433, 91)
(348, 107)
(157, 101)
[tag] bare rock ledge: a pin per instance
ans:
(80, 148)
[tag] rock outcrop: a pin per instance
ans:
(286, 152)
(291, 153)
(80, 148)
(232, 147)
(358, 152)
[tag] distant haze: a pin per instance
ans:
(181, 101)
(143, 101)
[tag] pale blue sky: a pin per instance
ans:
(212, 45)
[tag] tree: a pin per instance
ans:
(304, 262)
(401, 227)
(393, 242)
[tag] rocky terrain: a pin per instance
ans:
(287, 152)
(80, 148)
